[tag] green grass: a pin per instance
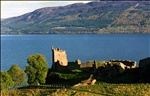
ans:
(68, 78)
(99, 89)
(118, 89)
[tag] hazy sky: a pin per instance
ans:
(16, 8)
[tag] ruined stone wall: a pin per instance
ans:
(73, 65)
(60, 62)
(60, 68)
(89, 67)
(59, 56)
(128, 63)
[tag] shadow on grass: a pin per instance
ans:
(55, 87)
(89, 91)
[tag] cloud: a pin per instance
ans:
(16, 8)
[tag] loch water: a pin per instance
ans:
(15, 49)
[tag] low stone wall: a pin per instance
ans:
(57, 67)
(128, 63)
(115, 68)
(73, 65)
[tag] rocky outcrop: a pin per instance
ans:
(90, 81)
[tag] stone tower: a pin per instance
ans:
(59, 57)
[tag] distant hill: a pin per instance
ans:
(92, 17)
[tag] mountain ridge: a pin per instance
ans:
(92, 17)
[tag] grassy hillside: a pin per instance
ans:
(99, 89)
(93, 17)
(133, 19)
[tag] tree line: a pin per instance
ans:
(36, 70)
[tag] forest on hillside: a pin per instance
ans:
(79, 18)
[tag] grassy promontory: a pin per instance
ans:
(61, 85)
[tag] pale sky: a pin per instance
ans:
(16, 8)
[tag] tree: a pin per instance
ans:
(6, 81)
(37, 69)
(17, 74)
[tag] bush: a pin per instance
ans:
(76, 71)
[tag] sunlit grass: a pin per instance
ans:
(99, 89)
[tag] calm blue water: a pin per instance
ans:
(15, 49)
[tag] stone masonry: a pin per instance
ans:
(59, 57)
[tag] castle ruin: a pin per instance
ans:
(113, 67)
(60, 61)
(59, 57)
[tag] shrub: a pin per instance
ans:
(76, 71)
